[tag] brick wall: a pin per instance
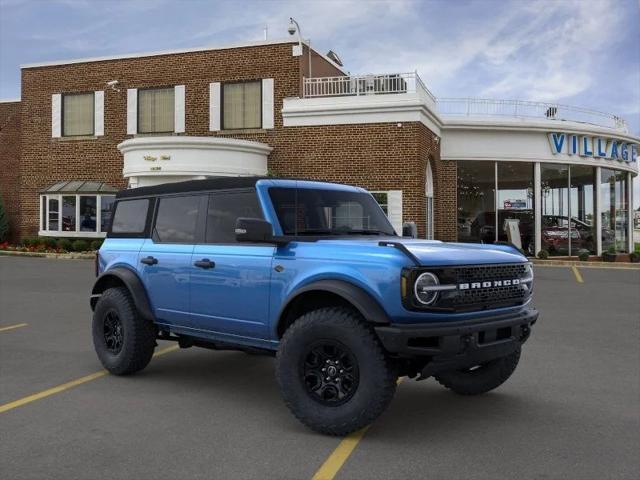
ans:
(10, 162)
(444, 189)
(374, 156)
(47, 160)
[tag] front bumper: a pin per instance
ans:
(455, 345)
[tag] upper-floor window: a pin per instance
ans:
(242, 105)
(78, 114)
(156, 112)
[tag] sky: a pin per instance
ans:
(577, 52)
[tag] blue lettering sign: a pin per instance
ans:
(586, 149)
(634, 153)
(600, 148)
(624, 152)
(613, 155)
(557, 142)
(573, 146)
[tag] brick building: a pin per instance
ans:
(86, 128)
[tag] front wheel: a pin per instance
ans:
(333, 374)
(123, 341)
(480, 378)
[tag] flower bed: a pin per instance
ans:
(51, 245)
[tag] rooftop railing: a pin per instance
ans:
(477, 107)
(356, 85)
(399, 83)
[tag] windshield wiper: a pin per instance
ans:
(316, 231)
(365, 232)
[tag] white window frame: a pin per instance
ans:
(398, 220)
(57, 115)
(428, 190)
(44, 216)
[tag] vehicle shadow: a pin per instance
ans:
(248, 381)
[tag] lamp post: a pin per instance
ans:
(293, 28)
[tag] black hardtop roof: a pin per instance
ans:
(218, 183)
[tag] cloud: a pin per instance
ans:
(555, 53)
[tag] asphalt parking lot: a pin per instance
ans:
(571, 410)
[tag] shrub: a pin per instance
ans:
(635, 257)
(583, 255)
(611, 249)
(29, 242)
(543, 254)
(80, 245)
(48, 242)
(64, 244)
(96, 244)
(4, 223)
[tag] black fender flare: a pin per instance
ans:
(368, 306)
(133, 283)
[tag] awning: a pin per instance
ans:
(80, 186)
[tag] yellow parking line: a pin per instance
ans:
(66, 386)
(11, 327)
(343, 451)
(576, 272)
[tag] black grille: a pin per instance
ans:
(474, 299)
(479, 273)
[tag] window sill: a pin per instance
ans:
(157, 134)
(63, 234)
(77, 138)
(240, 130)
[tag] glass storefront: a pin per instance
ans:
(554, 188)
(582, 207)
(614, 210)
(516, 201)
(476, 201)
(568, 203)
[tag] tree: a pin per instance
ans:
(4, 222)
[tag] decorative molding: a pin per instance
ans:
(149, 160)
(397, 108)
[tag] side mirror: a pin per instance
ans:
(254, 230)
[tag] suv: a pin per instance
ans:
(314, 274)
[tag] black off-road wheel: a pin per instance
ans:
(333, 373)
(480, 378)
(122, 339)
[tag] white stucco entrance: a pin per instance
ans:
(153, 160)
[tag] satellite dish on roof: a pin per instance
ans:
(333, 56)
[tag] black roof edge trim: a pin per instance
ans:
(195, 186)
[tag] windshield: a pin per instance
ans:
(306, 211)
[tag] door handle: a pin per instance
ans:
(149, 261)
(205, 263)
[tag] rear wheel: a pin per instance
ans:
(332, 372)
(480, 378)
(123, 341)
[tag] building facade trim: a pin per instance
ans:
(407, 107)
(152, 160)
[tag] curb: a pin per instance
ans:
(573, 263)
(61, 256)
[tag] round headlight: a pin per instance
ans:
(424, 294)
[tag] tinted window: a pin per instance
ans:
(130, 216)
(176, 219)
(308, 211)
(225, 209)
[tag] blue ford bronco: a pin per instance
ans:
(314, 274)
